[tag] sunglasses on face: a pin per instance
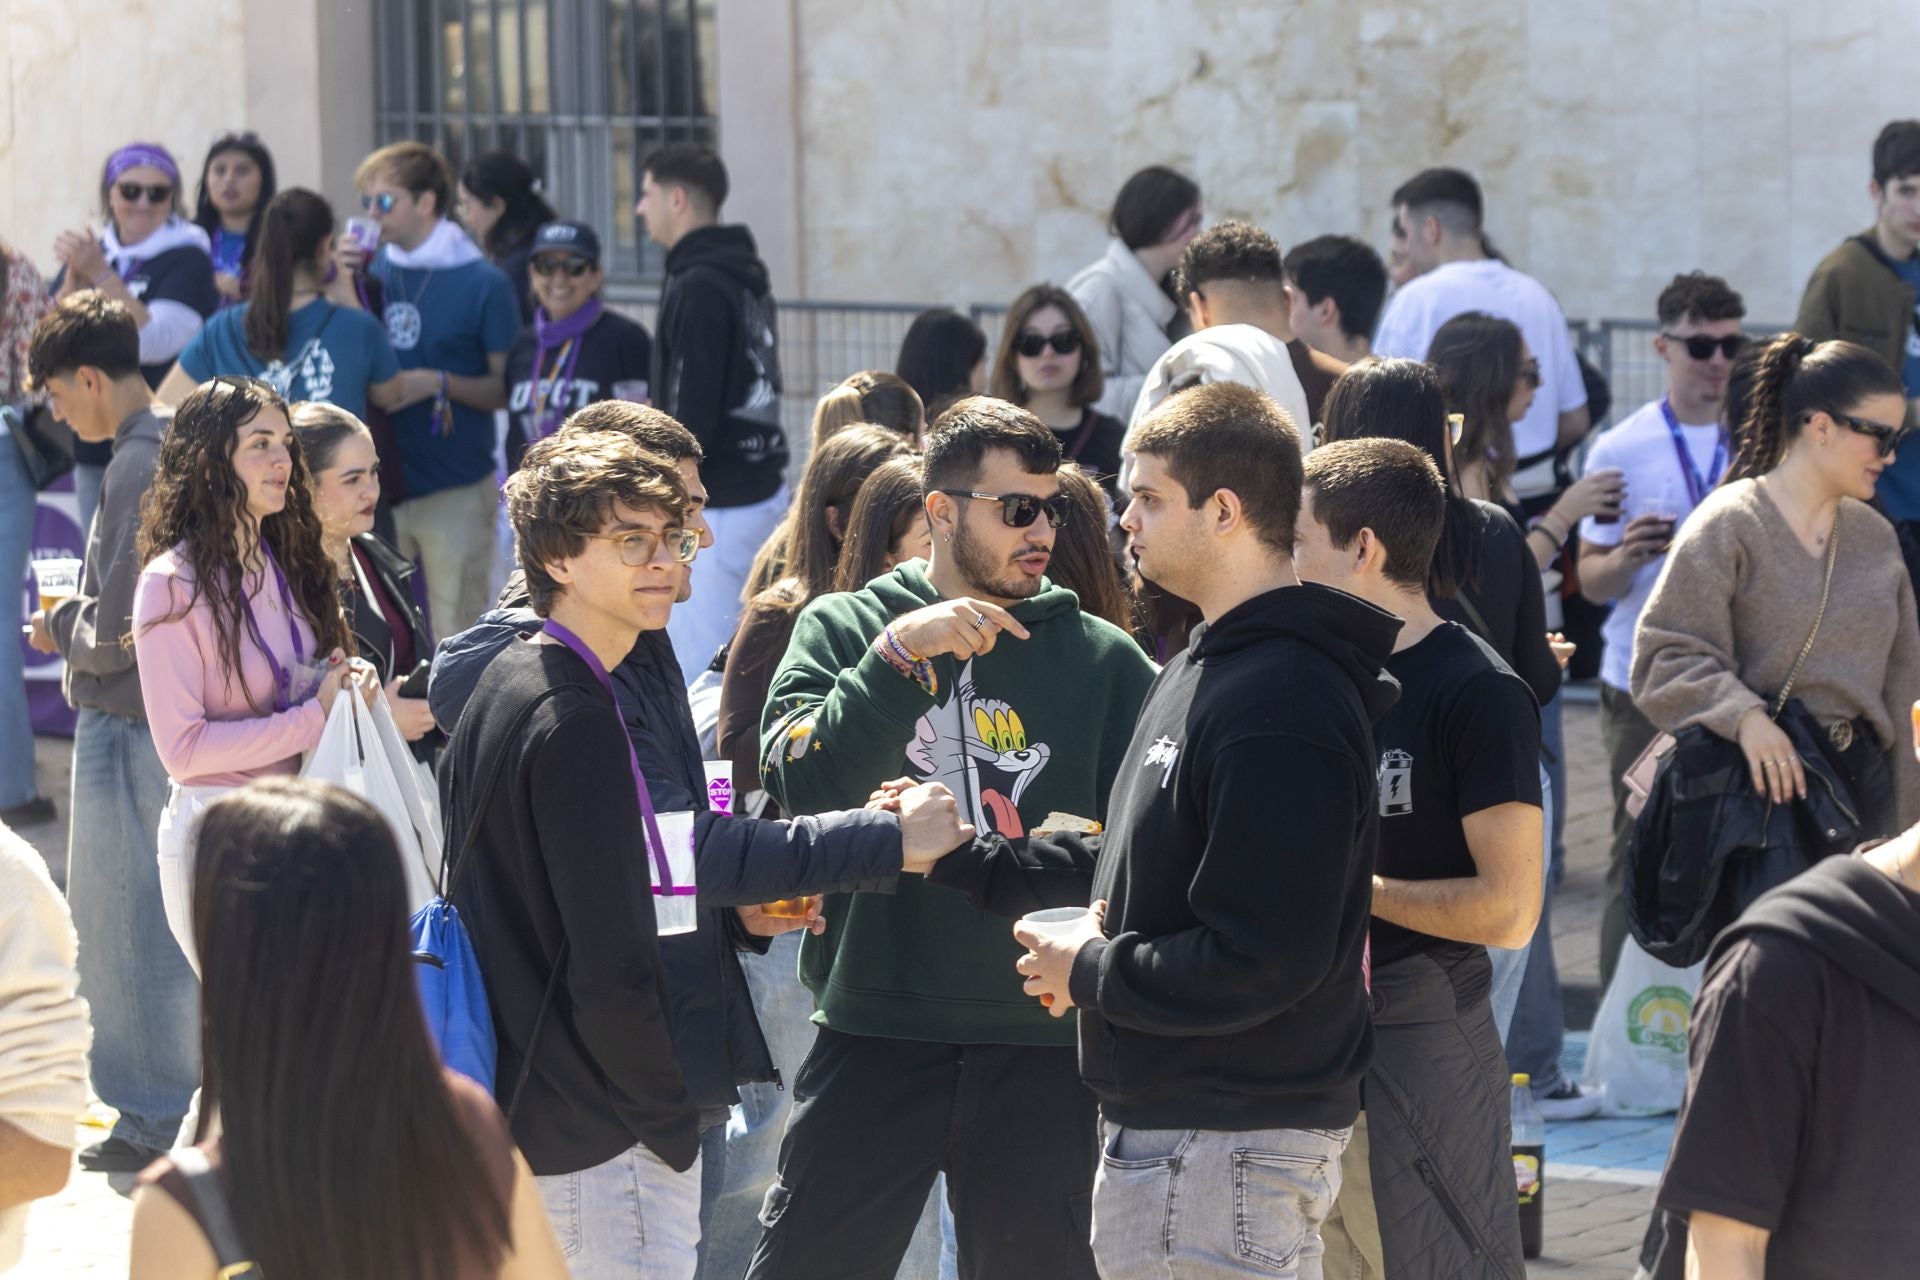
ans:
(640, 548)
(383, 202)
(1530, 374)
(1031, 343)
(574, 267)
(1886, 437)
(1701, 347)
(132, 192)
(1018, 510)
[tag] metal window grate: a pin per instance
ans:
(582, 90)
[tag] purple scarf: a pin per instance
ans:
(548, 409)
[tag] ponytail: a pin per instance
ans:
(296, 224)
(1794, 378)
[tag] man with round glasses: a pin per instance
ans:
(1672, 451)
(971, 669)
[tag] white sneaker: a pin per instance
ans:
(1567, 1102)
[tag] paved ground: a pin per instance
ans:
(1600, 1173)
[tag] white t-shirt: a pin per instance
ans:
(1419, 307)
(1642, 447)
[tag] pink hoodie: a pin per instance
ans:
(203, 728)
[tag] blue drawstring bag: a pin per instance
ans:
(453, 993)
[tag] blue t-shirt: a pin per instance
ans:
(449, 318)
(333, 353)
(1900, 483)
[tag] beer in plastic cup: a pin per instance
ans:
(1056, 921)
(57, 580)
(792, 908)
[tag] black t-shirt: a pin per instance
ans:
(1464, 736)
(1505, 592)
(1801, 1117)
(614, 350)
(1095, 445)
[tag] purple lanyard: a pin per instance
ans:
(1696, 487)
(282, 677)
(546, 417)
(666, 887)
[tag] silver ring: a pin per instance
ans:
(979, 622)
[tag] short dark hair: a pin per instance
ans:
(1346, 270)
(1388, 486)
(1149, 203)
(958, 443)
(1700, 296)
(1223, 435)
(1896, 152)
(565, 491)
(693, 165)
(1450, 195)
(85, 329)
(650, 428)
(1232, 251)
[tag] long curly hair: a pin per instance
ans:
(197, 502)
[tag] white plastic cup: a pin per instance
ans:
(1056, 922)
(56, 579)
(719, 785)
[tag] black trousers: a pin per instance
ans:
(873, 1122)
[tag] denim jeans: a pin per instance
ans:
(146, 1020)
(1537, 1032)
(1196, 1204)
(1510, 963)
(632, 1218)
(17, 506)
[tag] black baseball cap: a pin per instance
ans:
(575, 238)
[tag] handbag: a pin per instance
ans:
(230, 1252)
(45, 443)
(1640, 775)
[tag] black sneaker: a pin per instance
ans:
(117, 1155)
(1567, 1102)
(31, 814)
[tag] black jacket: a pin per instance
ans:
(1228, 992)
(716, 1037)
(716, 362)
(393, 575)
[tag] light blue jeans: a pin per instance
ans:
(632, 1218)
(145, 1002)
(1510, 963)
(18, 502)
(1201, 1204)
(1537, 1033)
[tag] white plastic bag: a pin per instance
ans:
(354, 753)
(1637, 1058)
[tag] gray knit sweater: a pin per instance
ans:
(1732, 609)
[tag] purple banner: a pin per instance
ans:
(56, 534)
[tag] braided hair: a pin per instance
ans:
(1794, 378)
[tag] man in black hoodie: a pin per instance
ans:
(1223, 1003)
(716, 368)
(1801, 1119)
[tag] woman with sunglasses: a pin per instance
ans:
(237, 626)
(816, 527)
(1049, 365)
(150, 258)
(576, 351)
(1491, 378)
(1788, 538)
(289, 333)
(1127, 294)
(236, 184)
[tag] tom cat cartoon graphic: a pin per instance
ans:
(978, 747)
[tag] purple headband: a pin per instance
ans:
(135, 154)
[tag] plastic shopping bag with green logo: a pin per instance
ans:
(1637, 1057)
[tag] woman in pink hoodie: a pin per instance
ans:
(237, 627)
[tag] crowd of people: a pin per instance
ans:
(1143, 728)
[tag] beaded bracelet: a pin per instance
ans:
(907, 663)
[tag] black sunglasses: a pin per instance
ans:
(1701, 347)
(1031, 344)
(383, 202)
(1018, 510)
(131, 192)
(574, 267)
(1888, 438)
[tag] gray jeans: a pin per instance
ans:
(1195, 1204)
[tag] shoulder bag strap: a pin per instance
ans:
(1826, 589)
(216, 1215)
(539, 1021)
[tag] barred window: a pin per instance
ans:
(582, 90)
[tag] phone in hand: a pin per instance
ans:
(415, 685)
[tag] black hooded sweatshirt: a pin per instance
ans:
(1229, 991)
(1801, 1117)
(716, 362)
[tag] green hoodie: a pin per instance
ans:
(1046, 721)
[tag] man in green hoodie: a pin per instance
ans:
(975, 670)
